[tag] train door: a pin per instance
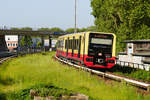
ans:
(79, 49)
(73, 43)
(83, 46)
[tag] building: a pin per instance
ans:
(137, 54)
(11, 41)
(53, 44)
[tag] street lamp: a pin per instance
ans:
(75, 26)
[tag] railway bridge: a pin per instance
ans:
(20, 33)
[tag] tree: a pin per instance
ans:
(56, 29)
(44, 29)
(129, 19)
(26, 28)
(14, 28)
(91, 28)
(26, 41)
(70, 30)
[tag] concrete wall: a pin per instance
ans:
(133, 61)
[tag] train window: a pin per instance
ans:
(75, 44)
(71, 44)
(68, 43)
(78, 44)
(65, 43)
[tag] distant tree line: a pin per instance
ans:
(69, 30)
(57, 29)
(129, 19)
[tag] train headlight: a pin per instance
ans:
(99, 54)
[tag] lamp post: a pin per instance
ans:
(75, 26)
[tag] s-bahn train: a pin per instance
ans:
(92, 49)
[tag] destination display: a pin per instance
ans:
(101, 41)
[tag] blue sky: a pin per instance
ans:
(45, 13)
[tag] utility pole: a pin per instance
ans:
(75, 26)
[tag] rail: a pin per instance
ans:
(6, 58)
(136, 83)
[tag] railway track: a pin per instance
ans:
(6, 58)
(139, 84)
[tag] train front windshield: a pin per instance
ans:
(100, 43)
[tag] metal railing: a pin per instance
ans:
(133, 65)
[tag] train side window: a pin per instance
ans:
(78, 44)
(71, 44)
(68, 44)
(75, 44)
(65, 44)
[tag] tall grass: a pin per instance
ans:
(24, 72)
(132, 72)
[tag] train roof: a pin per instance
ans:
(85, 33)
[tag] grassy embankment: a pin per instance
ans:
(132, 73)
(19, 75)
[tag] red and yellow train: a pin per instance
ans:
(92, 49)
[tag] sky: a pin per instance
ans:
(45, 13)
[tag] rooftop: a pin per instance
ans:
(137, 41)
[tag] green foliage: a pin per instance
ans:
(91, 28)
(26, 41)
(39, 44)
(33, 70)
(69, 30)
(132, 73)
(56, 29)
(14, 28)
(44, 29)
(27, 29)
(41, 90)
(129, 19)
(51, 90)
(24, 28)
